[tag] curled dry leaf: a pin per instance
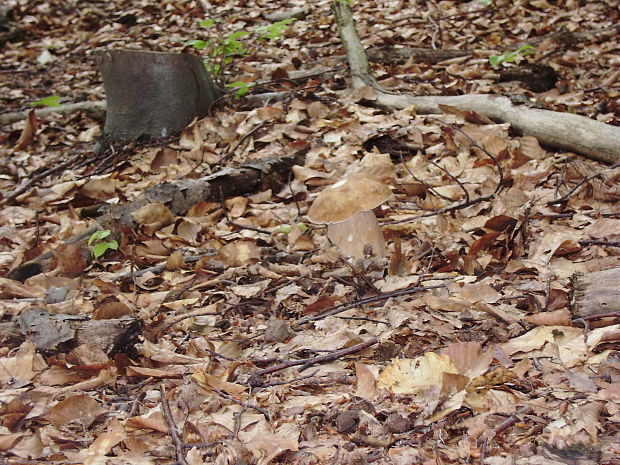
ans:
(29, 131)
(81, 409)
(152, 217)
(239, 253)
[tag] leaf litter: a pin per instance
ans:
(259, 343)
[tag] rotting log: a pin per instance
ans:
(578, 134)
(153, 95)
(95, 110)
(179, 197)
(595, 293)
(61, 333)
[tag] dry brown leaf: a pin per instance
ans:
(211, 382)
(70, 259)
(81, 409)
(152, 217)
(239, 253)
(551, 318)
(366, 383)
(105, 442)
(29, 131)
(175, 261)
(188, 230)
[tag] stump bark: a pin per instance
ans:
(153, 95)
(61, 333)
(596, 293)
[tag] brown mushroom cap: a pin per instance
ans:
(344, 199)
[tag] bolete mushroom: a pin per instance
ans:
(346, 207)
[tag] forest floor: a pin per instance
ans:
(462, 348)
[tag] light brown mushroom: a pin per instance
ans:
(346, 207)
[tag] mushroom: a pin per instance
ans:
(346, 207)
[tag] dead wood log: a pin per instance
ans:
(564, 131)
(95, 110)
(596, 293)
(388, 54)
(153, 95)
(179, 197)
(61, 333)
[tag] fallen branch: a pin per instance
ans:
(61, 332)
(308, 362)
(179, 197)
(92, 108)
(565, 131)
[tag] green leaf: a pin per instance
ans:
(510, 57)
(51, 101)
(242, 87)
(273, 31)
(197, 44)
(526, 50)
(100, 249)
(208, 23)
(113, 245)
(496, 60)
(237, 35)
(98, 235)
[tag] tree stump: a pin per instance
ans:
(152, 95)
(61, 333)
(596, 293)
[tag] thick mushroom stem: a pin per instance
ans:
(359, 237)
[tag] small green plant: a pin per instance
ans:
(221, 51)
(51, 101)
(241, 88)
(99, 245)
(510, 57)
(287, 228)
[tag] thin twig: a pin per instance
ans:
(368, 300)
(447, 209)
(454, 178)
(548, 291)
(201, 445)
(604, 243)
(339, 354)
(35, 177)
(483, 451)
(290, 381)
(565, 197)
(306, 363)
(243, 404)
(583, 319)
(581, 183)
(231, 152)
(512, 420)
(437, 26)
(482, 148)
(422, 181)
(172, 427)
(362, 318)
(178, 318)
